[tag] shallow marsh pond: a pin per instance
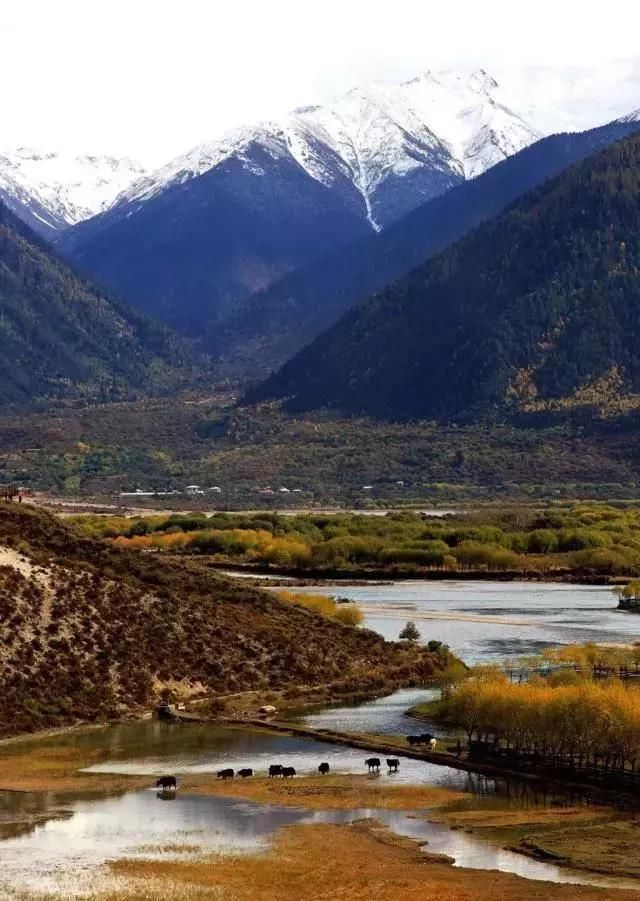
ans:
(62, 842)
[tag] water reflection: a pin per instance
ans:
(66, 852)
(152, 749)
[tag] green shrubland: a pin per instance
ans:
(587, 539)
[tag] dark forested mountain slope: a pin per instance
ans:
(61, 337)
(191, 253)
(272, 325)
(537, 306)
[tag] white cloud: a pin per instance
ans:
(152, 77)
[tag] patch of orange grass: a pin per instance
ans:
(498, 818)
(42, 767)
(359, 862)
(325, 792)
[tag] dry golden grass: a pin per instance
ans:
(336, 863)
(501, 818)
(325, 792)
(612, 847)
(30, 766)
(599, 839)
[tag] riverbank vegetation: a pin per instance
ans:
(581, 540)
(575, 710)
(341, 611)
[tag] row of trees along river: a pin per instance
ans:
(563, 719)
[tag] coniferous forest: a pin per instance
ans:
(535, 311)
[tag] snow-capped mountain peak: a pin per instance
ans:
(391, 146)
(61, 189)
(381, 149)
(633, 116)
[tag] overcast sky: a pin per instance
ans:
(151, 78)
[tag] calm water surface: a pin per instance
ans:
(383, 716)
(488, 621)
(60, 851)
(153, 748)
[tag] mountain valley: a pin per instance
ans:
(534, 311)
(64, 339)
(194, 242)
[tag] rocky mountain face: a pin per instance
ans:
(51, 191)
(536, 311)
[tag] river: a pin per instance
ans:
(486, 622)
(58, 842)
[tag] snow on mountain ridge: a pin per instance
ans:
(201, 158)
(447, 123)
(69, 188)
(383, 149)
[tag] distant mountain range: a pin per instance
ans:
(272, 326)
(383, 150)
(191, 242)
(535, 310)
(51, 191)
(252, 244)
(63, 338)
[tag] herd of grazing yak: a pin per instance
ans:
(169, 783)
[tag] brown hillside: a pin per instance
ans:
(87, 631)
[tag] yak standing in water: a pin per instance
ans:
(323, 769)
(373, 763)
(393, 763)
